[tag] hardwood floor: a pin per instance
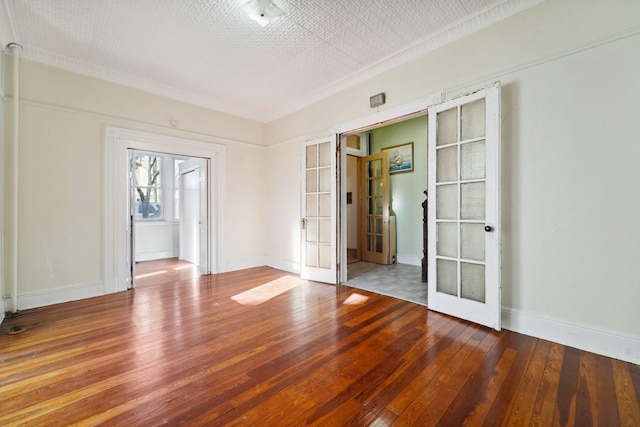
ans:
(262, 347)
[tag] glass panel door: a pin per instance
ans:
(463, 219)
(319, 211)
(375, 213)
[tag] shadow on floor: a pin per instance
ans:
(396, 280)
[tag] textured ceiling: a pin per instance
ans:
(208, 52)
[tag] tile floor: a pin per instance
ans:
(396, 280)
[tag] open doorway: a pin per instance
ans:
(391, 226)
(118, 252)
(169, 200)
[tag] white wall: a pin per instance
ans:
(157, 240)
(63, 115)
(571, 252)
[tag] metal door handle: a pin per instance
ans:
(488, 228)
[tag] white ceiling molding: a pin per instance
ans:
(209, 53)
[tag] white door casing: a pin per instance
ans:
(131, 234)
(319, 200)
(116, 268)
(194, 213)
(189, 216)
(464, 207)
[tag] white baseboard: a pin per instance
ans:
(580, 337)
(151, 256)
(244, 264)
(56, 296)
(409, 259)
(285, 265)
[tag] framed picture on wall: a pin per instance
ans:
(400, 157)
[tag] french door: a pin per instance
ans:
(374, 222)
(464, 207)
(319, 211)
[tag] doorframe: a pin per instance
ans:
(373, 121)
(116, 143)
(195, 164)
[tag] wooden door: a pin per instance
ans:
(374, 221)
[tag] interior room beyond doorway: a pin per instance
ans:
(158, 205)
(402, 277)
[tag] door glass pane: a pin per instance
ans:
(447, 164)
(312, 181)
(378, 188)
(377, 167)
(312, 156)
(325, 205)
(325, 179)
(472, 119)
(472, 160)
(447, 127)
(325, 154)
(447, 239)
(324, 256)
(378, 225)
(378, 201)
(472, 241)
(312, 230)
(447, 277)
(447, 201)
(378, 244)
(312, 255)
(325, 231)
(472, 281)
(472, 200)
(312, 205)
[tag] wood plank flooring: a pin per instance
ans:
(261, 347)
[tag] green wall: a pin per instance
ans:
(407, 187)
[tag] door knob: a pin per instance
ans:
(488, 228)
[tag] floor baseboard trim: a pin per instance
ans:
(409, 259)
(57, 296)
(244, 264)
(580, 337)
(284, 265)
(152, 256)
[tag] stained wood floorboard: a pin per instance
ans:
(262, 347)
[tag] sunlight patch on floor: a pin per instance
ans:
(183, 267)
(155, 273)
(355, 299)
(265, 292)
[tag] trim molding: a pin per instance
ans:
(409, 259)
(244, 264)
(57, 296)
(116, 142)
(151, 256)
(283, 264)
(580, 337)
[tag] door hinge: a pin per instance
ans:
(303, 223)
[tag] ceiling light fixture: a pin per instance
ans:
(262, 11)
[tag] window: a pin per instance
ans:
(148, 186)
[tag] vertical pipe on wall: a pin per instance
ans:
(15, 49)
